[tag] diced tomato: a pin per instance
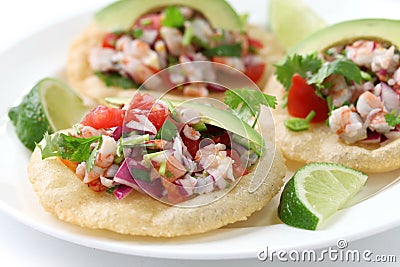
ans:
(192, 145)
(110, 40)
(255, 72)
(238, 168)
(104, 117)
(97, 186)
(157, 113)
(302, 99)
(70, 164)
(174, 195)
(150, 22)
(255, 43)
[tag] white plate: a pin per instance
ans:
(44, 54)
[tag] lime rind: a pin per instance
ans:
(317, 191)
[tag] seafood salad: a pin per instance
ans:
(353, 87)
(175, 34)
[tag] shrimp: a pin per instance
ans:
(137, 49)
(361, 52)
(339, 90)
(191, 133)
(385, 59)
(137, 70)
(214, 160)
(89, 131)
(234, 62)
(173, 40)
(106, 153)
(367, 102)
(101, 59)
(196, 90)
(347, 124)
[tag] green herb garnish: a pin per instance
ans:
(246, 103)
(302, 65)
(173, 17)
(75, 149)
(137, 33)
(234, 50)
(299, 124)
(392, 119)
(115, 79)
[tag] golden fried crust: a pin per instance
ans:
(320, 144)
(65, 196)
(81, 77)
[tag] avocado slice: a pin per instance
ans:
(213, 116)
(122, 14)
(384, 30)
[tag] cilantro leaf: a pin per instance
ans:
(246, 103)
(343, 67)
(300, 124)
(75, 149)
(173, 17)
(115, 79)
(92, 158)
(303, 65)
(234, 50)
(392, 119)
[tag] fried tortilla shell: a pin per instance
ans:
(65, 196)
(320, 144)
(81, 77)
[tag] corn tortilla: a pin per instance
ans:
(81, 77)
(66, 197)
(320, 144)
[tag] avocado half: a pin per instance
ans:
(384, 30)
(122, 14)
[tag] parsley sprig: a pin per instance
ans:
(392, 119)
(76, 149)
(246, 103)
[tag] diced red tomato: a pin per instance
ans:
(70, 164)
(156, 113)
(174, 195)
(255, 43)
(238, 168)
(302, 99)
(110, 40)
(150, 22)
(255, 72)
(97, 186)
(104, 117)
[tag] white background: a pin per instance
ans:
(23, 246)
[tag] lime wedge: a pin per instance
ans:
(293, 20)
(316, 191)
(48, 107)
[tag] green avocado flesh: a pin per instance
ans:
(122, 14)
(383, 30)
(214, 116)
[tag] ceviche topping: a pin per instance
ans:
(168, 151)
(354, 87)
(175, 34)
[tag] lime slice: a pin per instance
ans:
(293, 20)
(49, 106)
(316, 191)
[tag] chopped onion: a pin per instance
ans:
(117, 133)
(122, 191)
(372, 138)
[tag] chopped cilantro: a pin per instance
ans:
(137, 33)
(392, 119)
(169, 174)
(234, 50)
(299, 124)
(116, 79)
(302, 65)
(75, 149)
(145, 22)
(343, 67)
(173, 17)
(111, 189)
(246, 103)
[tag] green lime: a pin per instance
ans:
(49, 106)
(316, 191)
(293, 20)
